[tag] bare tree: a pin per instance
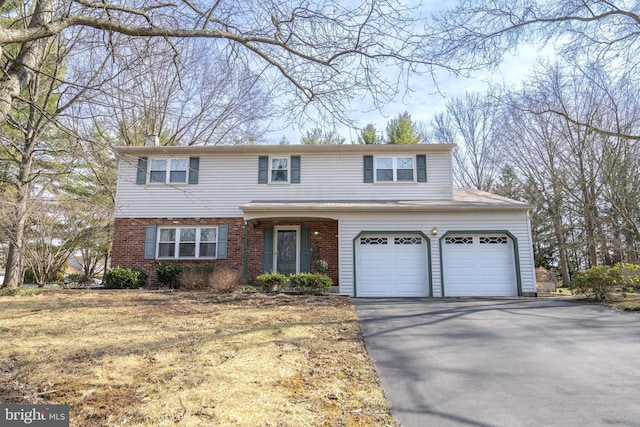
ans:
(315, 56)
(477, 34)
(469, 123)
(194, 99)
(531, 147)
(580, 177)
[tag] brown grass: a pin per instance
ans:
(141, 358)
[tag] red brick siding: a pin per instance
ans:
(326, 241)
(128, 244)
(129, 236)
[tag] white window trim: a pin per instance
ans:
(167, 175)
(394, 162)
(288, 169)
(176, 250)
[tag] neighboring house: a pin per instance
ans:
(385, 218)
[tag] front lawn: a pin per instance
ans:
(142, 358)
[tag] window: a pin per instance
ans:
(168, 171)
(395, 169)
(279, 170)
(384, 169)
(461, 240)
(158, 172)
(178, 170)
(187, 242)
(404, 169)
(373, 240)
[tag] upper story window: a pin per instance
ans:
(167, 171)
(394, 169)
(279, 169)
(187, 242)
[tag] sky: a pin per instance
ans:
(423, 101)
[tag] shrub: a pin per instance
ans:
(74, 280)
(600, 281)
(194, 279)
(630, 275)
(168, 274)
(311, 283)
(12, 292)
(125, 278)
(272, 282)
(225, 281)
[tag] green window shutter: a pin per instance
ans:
(421, 164)
(194, 169)
(267, 250)
(150, 242)
(305, 250)
(263, 169)
(368, 168)
(141, 176)
(295, 169)
(223, 236)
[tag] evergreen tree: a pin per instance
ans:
(368, 135)
(318, 136)
(402, 130)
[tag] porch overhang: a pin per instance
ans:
(464, 200)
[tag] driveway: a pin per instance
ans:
(504, 362)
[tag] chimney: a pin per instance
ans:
(151, 141)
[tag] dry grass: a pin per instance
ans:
(140, 358)
(627, 301)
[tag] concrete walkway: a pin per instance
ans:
(504, 362)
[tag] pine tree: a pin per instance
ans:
(402, 130)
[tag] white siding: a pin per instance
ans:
(227, 181)
(516, 223)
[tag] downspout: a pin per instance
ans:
(245, 255)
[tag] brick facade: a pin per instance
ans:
(324, 245)
(129, 237)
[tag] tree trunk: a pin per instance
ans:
(15, 257)
(26, 63)
(562, 244)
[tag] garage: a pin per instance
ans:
(478, 265)
(391, 266)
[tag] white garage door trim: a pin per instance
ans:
(514, 252)
(392, 237)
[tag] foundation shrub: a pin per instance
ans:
(272, 282)
(310, 283)
(225, 281)
(168, 274)
(125, 278)
(194, 279)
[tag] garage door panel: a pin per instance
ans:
(480, 265)
(391, 266)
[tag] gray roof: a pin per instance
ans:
(289, 149)
(465, 199)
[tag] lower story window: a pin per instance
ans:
(187, 242)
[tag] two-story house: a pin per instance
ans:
(385, 218)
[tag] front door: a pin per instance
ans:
(286, 250)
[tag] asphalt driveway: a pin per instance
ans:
(504, 362)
